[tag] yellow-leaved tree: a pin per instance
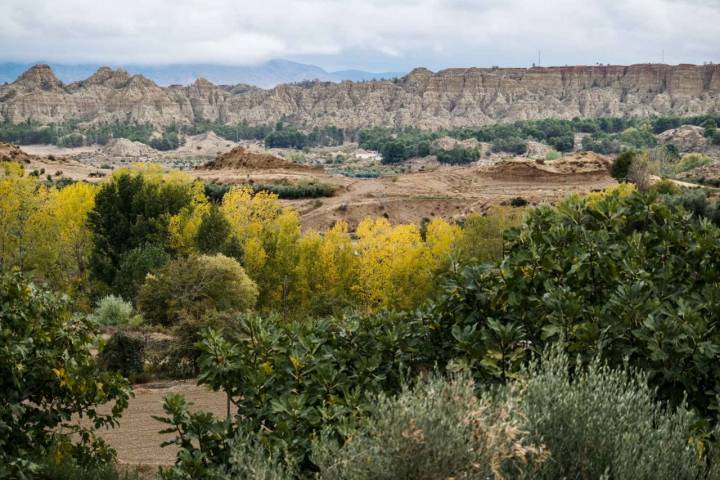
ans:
(269, 237)
(395, 267)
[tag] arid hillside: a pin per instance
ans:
(449, 98)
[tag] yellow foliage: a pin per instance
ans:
(43, 230)
(621, 190)
(481, 239)
(395, 267)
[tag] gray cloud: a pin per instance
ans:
(374, 34)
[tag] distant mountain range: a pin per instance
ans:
(265, 75)
(459, 97)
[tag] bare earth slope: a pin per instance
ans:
(453, 97)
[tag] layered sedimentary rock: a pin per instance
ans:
(449, 98)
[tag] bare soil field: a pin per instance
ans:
(447, 191)
(137, 439)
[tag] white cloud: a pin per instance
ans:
(360, 33)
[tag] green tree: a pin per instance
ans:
(190, 288)
(214, 235)
(621, 165)
(131, 211)
(49, 376)
(393, 152)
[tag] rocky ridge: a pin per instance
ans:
(449, 98)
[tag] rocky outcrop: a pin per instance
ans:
(688, 138)
(449, 98)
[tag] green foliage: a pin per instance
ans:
(289, 380)
(134, 265)
(124, 354)
(518, 202)
(213, 235)
(629, 277)
(514, 145)
(602, 423)
(710, 127)
(223, 455)
(69, 469)
(457, 155)
(169, 140)
(130, 212)
(295, 190)
(189, 288)
(621, 165)
(552, 155)
(440, 429)
(690, 161)
(112, 310)
(48, 375)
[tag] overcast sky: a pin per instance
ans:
(369, 34)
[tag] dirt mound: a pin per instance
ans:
(687, 138)
(240, 158)
(205, 144)
(581, 164)
(122, 147)
(12, 153)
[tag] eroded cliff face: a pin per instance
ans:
(450, 98)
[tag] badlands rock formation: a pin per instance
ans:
(449, 98)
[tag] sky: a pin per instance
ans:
(374, 35)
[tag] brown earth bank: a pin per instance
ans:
(455, 97)
(242, 158)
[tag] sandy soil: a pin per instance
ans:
(137, 439)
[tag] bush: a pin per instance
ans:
(290, 380)
(440, 429)
(458, 155)
(514, 145)
(237, 456)
(188, 288)
(690, 161)
(602, 423)
(68, 469)
(112, 310)
(518, 202)
(124, 354)
(48, 375)
(552, 155)
(621, 165)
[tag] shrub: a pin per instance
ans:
(690, 161)
(112, 310)
(518, 202)
(602, 423)
(190, 287)
(48, 375)
(621, 165)
(640, 172)
(514, 145)
(289, 380)
(439, 429)
(457, 155)
(124, 354)
(235, 456)
(552, 155)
